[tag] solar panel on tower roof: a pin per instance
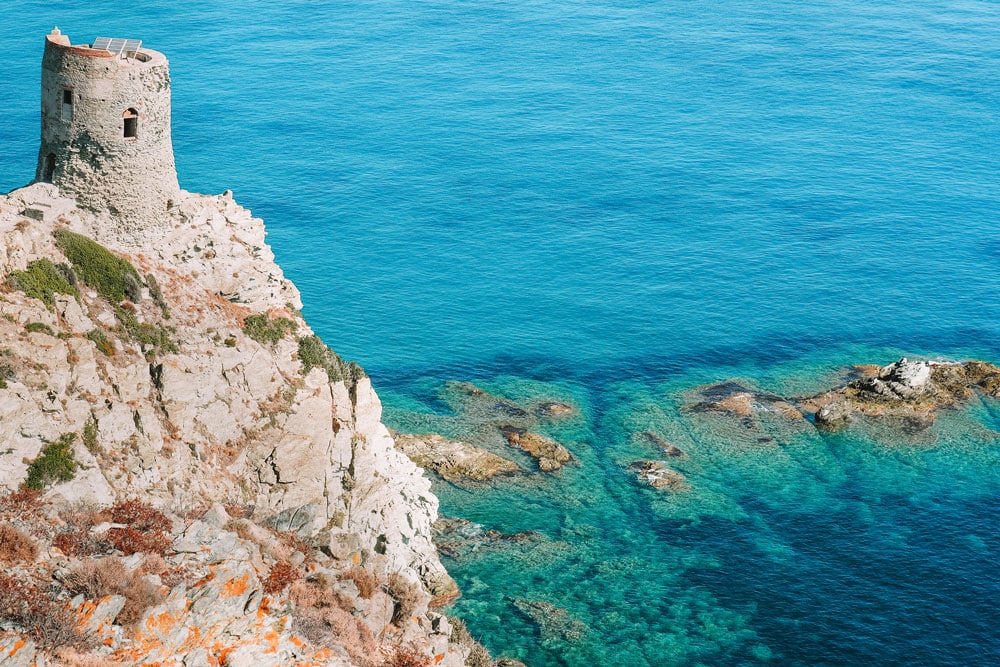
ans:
(117, 46)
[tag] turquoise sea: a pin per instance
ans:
(609, 204)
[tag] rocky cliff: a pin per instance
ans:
(183, 376)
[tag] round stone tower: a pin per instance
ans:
(106, 131)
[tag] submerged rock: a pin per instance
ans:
(549, 453)
(454, 536)
(454, 460)
(553, 409)
(555, 623)
(659, 476)
(734, 398)
(668, 448)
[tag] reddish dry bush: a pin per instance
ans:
(281, 576)
(108, 576)
(76, 538)
(15, 546)
(140, 516)
(409, 655)
(363, 579)
(22, 501)
(407, 595)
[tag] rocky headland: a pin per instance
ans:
(189, 475)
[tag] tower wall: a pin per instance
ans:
(87, 94)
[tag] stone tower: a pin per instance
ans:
(106, 132)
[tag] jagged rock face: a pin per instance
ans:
(224, 417)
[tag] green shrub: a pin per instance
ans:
(54, 464)
(39, 327)
(43, 280)
(7, 369)
(146, 334)
(113, 277)
(101, 341)
(154, 291)
(265, 330)
(313, 352)
(90, 437)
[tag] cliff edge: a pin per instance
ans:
(182, 380)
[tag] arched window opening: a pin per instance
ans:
(50, 168)
(130, 123)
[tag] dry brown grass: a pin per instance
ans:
(108, 576)
(363, 579)
(27, 605)
(408, 596)
(408, 655)
(70, 657)
(15, 546)
(324, 618)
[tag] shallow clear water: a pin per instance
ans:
(612, 203)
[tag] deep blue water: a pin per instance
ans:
(611, 203)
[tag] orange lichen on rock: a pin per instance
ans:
(236, 586)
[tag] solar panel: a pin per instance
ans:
(117, 46)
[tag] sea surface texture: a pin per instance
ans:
(611, 204)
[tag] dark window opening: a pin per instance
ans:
(50, 168)
(130, 120)
(67, 104)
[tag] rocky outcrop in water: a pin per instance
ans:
(659, 476)
(454, 460)
(185, 375)
(909, 391)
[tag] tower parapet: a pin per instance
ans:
(106, 131)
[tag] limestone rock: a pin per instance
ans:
(549, 453)
(659, 476)
(454, 460)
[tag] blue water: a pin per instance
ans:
(612, 203)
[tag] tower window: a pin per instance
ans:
(67, 104)
(130, 124)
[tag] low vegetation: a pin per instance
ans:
(102, 342)
(39, 327)
(54, 464)
(145, 528)
(157, 294)
(15, 546)
(113, 277)
(407, 595)
(263, 329)
(151, 337)
(282, 575)
(314, 353)
(109, 576)
(43, 280)
(363, 579)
